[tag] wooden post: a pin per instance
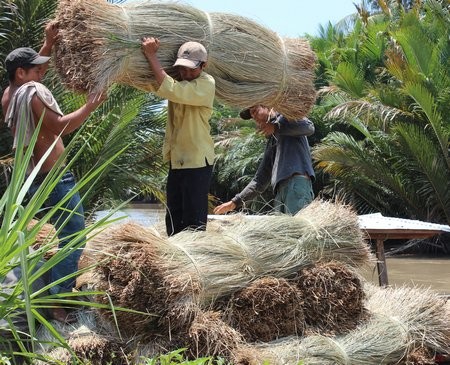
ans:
(381, 264)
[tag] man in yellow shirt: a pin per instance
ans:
(188, 145)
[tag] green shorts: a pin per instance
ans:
(293, 194)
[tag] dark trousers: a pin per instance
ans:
(187, 199)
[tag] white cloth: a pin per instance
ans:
(20, 110)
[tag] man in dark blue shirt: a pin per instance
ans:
(286, 164)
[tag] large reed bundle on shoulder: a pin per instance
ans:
(100, 44)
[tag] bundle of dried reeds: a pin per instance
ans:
(91, 349)
(269, 308)
(132, 272)
(378, 341)
(333, 297)
(420, 310)
(209, 335)
(100, 44)
(229, 259)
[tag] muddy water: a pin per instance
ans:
(414, 271)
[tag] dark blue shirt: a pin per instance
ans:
(287, 153)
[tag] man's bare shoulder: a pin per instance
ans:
(6, 98)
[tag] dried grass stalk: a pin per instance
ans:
(92, 349)
(100, 44)
(210, 336)
(421, 311)
(269, 308)
(333, 297)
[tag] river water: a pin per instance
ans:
(409, 270)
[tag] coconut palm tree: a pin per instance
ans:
(395, 96)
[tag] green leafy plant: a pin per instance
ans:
(21, 305)
(178, 357)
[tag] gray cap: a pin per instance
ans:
(22, 57)
(191, 54)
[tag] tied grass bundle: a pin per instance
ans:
(92, 349)
(209, 335)
(333, 297)
(379, 341)
(421, 311)
(228, 259)
(133, 274)
(100, 44)
(269, 308)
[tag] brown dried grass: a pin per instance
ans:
(333, 297)
(92, 349)
(133, 276)
(45, 236)
(269, 308)
(100, 44)
(209, 335)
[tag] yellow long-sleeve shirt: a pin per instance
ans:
(188, 142)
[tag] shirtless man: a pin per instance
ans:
(25, 100)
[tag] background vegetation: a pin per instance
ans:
(381, 141)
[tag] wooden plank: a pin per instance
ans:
(381, 264)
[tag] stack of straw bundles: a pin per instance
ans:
(100, 44)
(402, 321)
(277, 246)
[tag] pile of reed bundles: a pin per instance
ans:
(99, 44)
(404, 322)
(246, 264)
(280, 288)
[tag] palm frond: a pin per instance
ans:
(350, 80)
(426, 102)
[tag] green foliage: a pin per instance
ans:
(4, 361)
(177, 357)
(133, 121)
(21, 303)
(395, 94)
